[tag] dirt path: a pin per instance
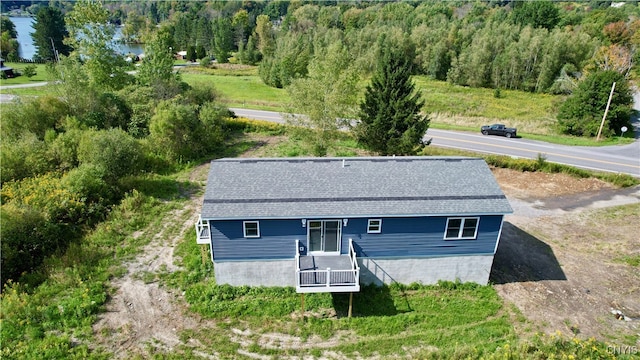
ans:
(141, 312)
(540, 267)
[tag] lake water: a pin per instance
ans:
(24, 28)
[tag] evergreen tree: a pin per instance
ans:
(223, 42)
(390, 119)
(50, 27)
(201, 52)
(191, 53)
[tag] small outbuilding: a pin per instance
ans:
(331, 224)
(6, 70)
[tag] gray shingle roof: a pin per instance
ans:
(351, 187)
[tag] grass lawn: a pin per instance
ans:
(41, 74)
(239, 86)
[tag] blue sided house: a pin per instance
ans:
(331, 224)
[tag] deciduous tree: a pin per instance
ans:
(581, 114)
(326, 97)
(92, 37)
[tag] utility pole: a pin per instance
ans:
(606, 110)
(55, 52)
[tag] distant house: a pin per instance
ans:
(329, 224)
(6, 70)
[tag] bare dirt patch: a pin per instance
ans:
(140, 311)
(559, 255)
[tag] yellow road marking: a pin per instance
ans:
(533, 151)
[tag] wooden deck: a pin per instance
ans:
(327, 273)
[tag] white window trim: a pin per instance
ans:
(460, 237)
(369, 231)
(244, 229)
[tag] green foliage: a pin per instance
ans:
(29, 71)
(543, 14)
(36, 115)
(114, 151)
(289, 60)
(106, 110)
(50, 31)
(181, 132)
(7, 25)
(223, 42)
(201, 53)
(157, 65)
(64, 149)
(26, 238)
(249, 54)
(53, 318)
(23, 157)
(581, 114)
(266, 37)
(327, 96)
(87, 182)
(390, 115)
(40, 217)
(191, 53)
(552, 346)
(205, 61)
(250, 126)
(540, 164)
(91, 35)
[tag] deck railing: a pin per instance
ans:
(328, 280)
(203, 235)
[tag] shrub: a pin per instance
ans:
(248, 125)
(107, 110)
(581, 114)
(114, 151)
(183, 133)
(34, 115)
(23, 157)
(26, 238)
(205, 61)
(63, 150)
(87, 183)
(29, 71)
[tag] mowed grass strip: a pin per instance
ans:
(245, 90)
(41, 74)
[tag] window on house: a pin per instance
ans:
(251, 229)
(375, 226)
(461, 228)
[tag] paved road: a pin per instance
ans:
(622, 159)
(6, 98)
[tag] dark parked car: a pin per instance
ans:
(498, 129)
